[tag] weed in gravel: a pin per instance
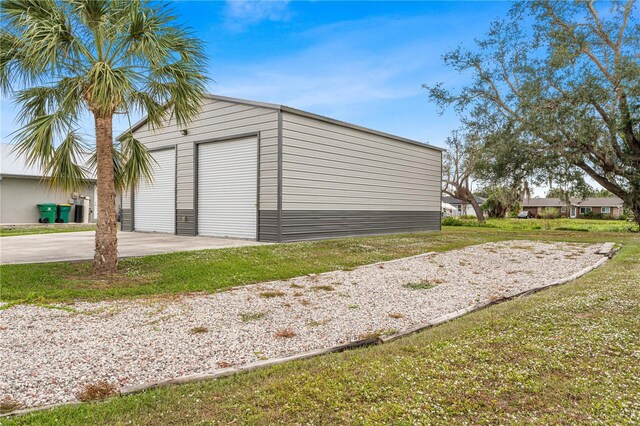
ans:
(323, 287)
(96, 391)
(298, 294)
(396, 315)
(199, 330)
(272, 294)
(224, 364)
(305, 302)
(377, 333)
(314, 323)
(296, 286)
(353, 307)
(8, 404)
(422, 285)
(286, 333)
(249, 316)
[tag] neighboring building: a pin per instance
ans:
(460, 207)
(22, 187)
(448, 210)
(577, 207)
(268, 172)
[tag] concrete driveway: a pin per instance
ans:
(80, 246)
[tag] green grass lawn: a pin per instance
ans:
(214, 270)
(567, 355)
(12, 231)
(581, 225)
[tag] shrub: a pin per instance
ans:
(550, 213)
(451, 221)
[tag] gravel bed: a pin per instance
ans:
(49, 355)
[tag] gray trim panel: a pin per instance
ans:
(298, 225)
(279, 178)
(126, 223)
(185, 222)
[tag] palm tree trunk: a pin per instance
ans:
(105, 260)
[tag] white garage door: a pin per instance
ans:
(155, 202)
(227, 188)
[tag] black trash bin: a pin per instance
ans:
(77, 216)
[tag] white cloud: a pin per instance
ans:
(240, 14)
(344, 70)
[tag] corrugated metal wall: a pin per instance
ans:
(219, 119)
(336, 180)
(341, 181)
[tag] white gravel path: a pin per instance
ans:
(49, 355)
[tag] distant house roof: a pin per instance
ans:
(453, 201)
(12, 164)
(587, 202)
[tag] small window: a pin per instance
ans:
(563, 209)
(606, 210)
(584, 210)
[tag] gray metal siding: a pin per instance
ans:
(334, 180)
(218, 119)
(330, 167)
(301, 225)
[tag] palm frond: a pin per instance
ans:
(36, 140)
(93, 13)
(59, 58)
(65, 169)
(138, 162)
(47, 30)
(152, 102)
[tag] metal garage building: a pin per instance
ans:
(262, 171)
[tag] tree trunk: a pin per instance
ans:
(105, 260)
(635, 210)
(462, 193)
(477, 209)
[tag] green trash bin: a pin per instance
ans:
(47, 213)
(63, 213)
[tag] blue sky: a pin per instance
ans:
(361, 62)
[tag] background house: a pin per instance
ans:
(576, 208)
(262, 171)
(460, 207)
(22, 187)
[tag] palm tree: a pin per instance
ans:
(62, 59)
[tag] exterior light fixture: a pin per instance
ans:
(184, 132)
